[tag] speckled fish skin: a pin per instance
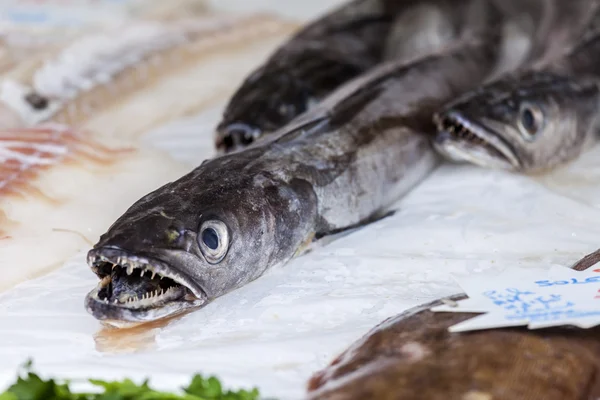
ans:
(340, 46)
(412, 356)
(327, 52)
(532, 121)
(338, 166)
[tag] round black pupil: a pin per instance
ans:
(210, 238)
(528, 120)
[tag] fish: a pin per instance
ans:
(57, 193)
(532, 121)
(413, 356)
(87, 81)
(553, 27)
(65, 176)
(340, 46)
(530, 125)
(238, 215)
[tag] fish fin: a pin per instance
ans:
(339, 115)
(347, 109)
(587, 261)
(306, 128)
(305, 245)
(367, 221)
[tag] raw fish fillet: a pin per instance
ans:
(59, 188)
(20, 38)
(191, 62)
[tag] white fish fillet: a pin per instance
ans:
(59, 190)
(20, 38)
(66, 177)
(99, 71)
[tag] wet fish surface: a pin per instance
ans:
(412, 356)
(51, 172)
(236, 216)
(346, 43)
(531, 121)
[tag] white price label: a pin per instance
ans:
(535, 298)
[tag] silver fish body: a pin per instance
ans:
(327, 52)
(545, 121)
(235, 216)
(532, 121)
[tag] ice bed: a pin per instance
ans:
(275, 332)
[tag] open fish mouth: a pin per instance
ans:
(461, 140)
(135, 289)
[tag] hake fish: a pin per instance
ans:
(51, 173)
(344, 44)
(531, 121)
(531, 125)
(324, 54)
(236, 216)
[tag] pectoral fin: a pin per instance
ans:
(305, 245)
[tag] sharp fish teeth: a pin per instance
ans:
(153, 274)
(130, 269)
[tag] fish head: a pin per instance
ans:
(192, 240)
(525, 123)
(266, 101)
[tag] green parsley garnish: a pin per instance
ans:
(30, 386)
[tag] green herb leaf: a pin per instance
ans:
(32, 387)
(208, 389)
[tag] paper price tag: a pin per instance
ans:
(537, 298)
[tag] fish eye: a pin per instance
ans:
(210, 238)
(530, 120)
(213, 240)
(241, 134)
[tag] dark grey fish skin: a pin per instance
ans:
(531, 121)
(530, 124)
(324, 54)
(553, 25)
(338, 47)
(412, 356)
(235, 216)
